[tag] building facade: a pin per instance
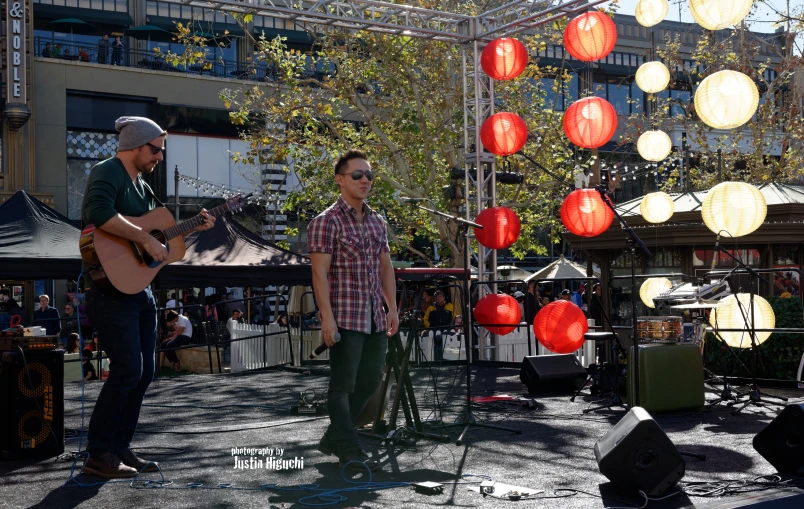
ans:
(74, 66)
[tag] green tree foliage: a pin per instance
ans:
(401, 100)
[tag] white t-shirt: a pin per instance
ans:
(188, 326)
(171, 304)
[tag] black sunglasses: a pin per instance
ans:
(154, 149)
(358, 174)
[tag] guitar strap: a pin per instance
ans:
(151, 192)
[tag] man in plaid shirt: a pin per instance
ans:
(352, 273)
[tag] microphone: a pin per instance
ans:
(717, 250)
(406, 199)
(323, 346)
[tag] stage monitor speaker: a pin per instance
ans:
(32, 399)
(637, 455)
(781, 443)
(544, 374)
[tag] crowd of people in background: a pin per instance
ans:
(106, 48)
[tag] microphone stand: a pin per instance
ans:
(631, 242)
(468, 417)
(726, 394)
(755, 394)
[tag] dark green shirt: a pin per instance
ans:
(110, 191)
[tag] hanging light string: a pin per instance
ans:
(215, 189)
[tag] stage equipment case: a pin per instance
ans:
(671, 377)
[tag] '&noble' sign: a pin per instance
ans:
(16, 91)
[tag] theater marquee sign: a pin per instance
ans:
(16, 110)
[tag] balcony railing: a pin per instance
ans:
(141, 59)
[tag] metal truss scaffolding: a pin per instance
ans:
(473, 33)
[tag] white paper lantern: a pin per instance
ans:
(731, 313)
(726, 99)
(651, 12)
(652, 77)
(654, 146)
(653, 287)
(717, 14)
(657, 207)
(734, 209)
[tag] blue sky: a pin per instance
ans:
(761, 19)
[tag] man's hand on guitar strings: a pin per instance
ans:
(156, 249)
(208, 223)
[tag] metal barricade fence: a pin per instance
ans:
(257, 350)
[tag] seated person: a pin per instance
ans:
(73, 344)
(439, 314)
(47, 52)
(282, 321)
(83, 55)
(69, 324)
(89, 369)
(182, 335)
(237, 317)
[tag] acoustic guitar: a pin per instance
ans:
(115, 262)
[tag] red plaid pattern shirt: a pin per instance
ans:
(355, 287)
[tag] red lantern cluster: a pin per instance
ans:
(560, 326)
(504, 134)
(590, 36)
(585, 214)
(498, 308)
(590, 122)
(501, 227)
(504, 59)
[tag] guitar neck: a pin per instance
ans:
(180, 229)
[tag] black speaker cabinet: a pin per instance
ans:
(637, 455)
(781, 443)
(552, 374)
(32, 402)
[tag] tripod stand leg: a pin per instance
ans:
(578, 392)
(469, 421)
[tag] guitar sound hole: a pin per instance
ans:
(146, 257)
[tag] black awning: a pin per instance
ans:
(217, 29)
(93, 16)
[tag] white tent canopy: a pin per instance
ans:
(562, 268)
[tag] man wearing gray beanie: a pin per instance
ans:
(126, 324)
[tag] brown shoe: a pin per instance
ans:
(130, 459)
(108, 466)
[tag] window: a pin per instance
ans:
(682, 96)
(618, 97)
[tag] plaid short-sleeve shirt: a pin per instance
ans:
(355, 288)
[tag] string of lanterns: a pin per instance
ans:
(724, 100)
(216, 189)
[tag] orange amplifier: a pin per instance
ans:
(28, 343)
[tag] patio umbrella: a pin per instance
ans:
(76, 25)
(146, 32)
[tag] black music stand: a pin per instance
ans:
(468, 417)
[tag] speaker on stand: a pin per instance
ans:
(32, 402)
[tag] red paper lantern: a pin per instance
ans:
(590, 36)
(504, 59)
(498, 308)
(585, 214)
(504, 134)
(560, 326)
(500, 229)
(590, 122)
